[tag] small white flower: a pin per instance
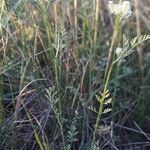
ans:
(76, 112)
(118, 51)
(123, 9)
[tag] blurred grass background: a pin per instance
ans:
(63, 46)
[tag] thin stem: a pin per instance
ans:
(60, 109)
(97, 124)
(96, 23)
(75, 17)
(101, 107)
(114, 37)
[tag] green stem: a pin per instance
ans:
(113, 42)
(101, 107)
(96, 125)
(60, 109)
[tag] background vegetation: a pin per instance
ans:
(56, 89)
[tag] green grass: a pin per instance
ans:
(62, 86)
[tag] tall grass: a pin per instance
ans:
(62, 84)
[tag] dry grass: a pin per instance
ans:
(55, 57)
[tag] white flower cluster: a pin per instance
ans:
(118, 51)
(122, 9)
